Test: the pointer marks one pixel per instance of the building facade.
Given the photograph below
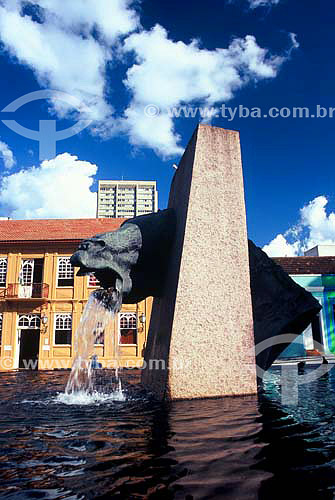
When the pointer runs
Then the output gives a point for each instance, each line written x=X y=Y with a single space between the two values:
x=317 y=275
x=42 y=299
x=126 y=198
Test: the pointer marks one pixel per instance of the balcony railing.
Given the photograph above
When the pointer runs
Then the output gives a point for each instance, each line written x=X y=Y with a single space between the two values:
x=19 y=291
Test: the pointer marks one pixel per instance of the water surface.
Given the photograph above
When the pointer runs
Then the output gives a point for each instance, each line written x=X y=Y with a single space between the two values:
x=234 y=448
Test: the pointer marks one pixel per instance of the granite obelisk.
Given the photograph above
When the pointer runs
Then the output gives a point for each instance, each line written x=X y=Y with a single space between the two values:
x=200 y=341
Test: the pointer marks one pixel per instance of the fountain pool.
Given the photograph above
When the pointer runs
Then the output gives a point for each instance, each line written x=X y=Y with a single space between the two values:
x=134 y=447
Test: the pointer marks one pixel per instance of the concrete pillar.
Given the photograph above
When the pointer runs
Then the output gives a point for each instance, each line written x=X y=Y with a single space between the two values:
x=201 y=330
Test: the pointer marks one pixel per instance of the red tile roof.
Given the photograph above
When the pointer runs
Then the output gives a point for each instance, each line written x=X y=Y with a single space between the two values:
x=307 y=265
x=55 y=229
x=79 y=229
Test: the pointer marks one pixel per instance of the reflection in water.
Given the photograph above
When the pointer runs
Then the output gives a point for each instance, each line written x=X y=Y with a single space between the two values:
x=301 y=440
x=235 y=448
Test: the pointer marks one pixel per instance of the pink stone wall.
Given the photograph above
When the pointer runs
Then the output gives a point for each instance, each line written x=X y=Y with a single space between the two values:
x=202 y=327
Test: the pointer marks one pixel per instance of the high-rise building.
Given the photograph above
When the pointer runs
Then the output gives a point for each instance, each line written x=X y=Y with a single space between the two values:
x=126 y=198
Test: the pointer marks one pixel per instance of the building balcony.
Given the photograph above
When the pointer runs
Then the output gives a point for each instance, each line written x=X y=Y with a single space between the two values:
x=16 y=291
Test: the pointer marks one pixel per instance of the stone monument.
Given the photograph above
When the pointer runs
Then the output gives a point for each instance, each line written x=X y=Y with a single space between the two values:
x=202 y=327
x=216 y=295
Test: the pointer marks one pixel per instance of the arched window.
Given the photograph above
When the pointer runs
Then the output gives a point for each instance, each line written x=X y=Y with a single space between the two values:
x=63 y=328
x=64 y=272
x=128 y=328
x=29 y=321
x=27 y=271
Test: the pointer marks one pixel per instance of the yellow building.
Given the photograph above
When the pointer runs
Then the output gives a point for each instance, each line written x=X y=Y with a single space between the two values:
x=42 y=299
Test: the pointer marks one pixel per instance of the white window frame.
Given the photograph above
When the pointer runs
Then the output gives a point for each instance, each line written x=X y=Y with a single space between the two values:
x=33 y=323
x=65 y=317
x=131 y=315
x=3 y=264
x=26 y=277
x=59 y=259
x=33 y=320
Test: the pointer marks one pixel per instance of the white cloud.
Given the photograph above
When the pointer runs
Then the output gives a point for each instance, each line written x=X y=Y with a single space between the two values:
x=62 y=50
x=294 y=40
x=315 y=227
x=7 y=155
x=69 y=46
x=156 y=132
x=112 y=18
x=58 y=188
x=280 y=247
x=168 y=73
x=262 y=3
x=320 y=224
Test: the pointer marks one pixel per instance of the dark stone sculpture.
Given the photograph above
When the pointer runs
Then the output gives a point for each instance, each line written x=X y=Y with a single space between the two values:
x=279 y=304
x=134 y=260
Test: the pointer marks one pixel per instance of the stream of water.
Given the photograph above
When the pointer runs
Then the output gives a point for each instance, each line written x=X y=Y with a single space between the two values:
x=82 y=385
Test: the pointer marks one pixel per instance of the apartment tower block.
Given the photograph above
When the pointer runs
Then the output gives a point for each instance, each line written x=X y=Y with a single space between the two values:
x=126 y=198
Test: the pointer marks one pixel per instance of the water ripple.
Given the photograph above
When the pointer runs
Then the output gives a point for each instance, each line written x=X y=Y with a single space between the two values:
x=134 y=447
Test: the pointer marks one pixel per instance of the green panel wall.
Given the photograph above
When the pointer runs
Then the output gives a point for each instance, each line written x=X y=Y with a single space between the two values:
x=327 y=300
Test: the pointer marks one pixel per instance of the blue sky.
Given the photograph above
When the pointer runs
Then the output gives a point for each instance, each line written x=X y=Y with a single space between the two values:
x=121 y=56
